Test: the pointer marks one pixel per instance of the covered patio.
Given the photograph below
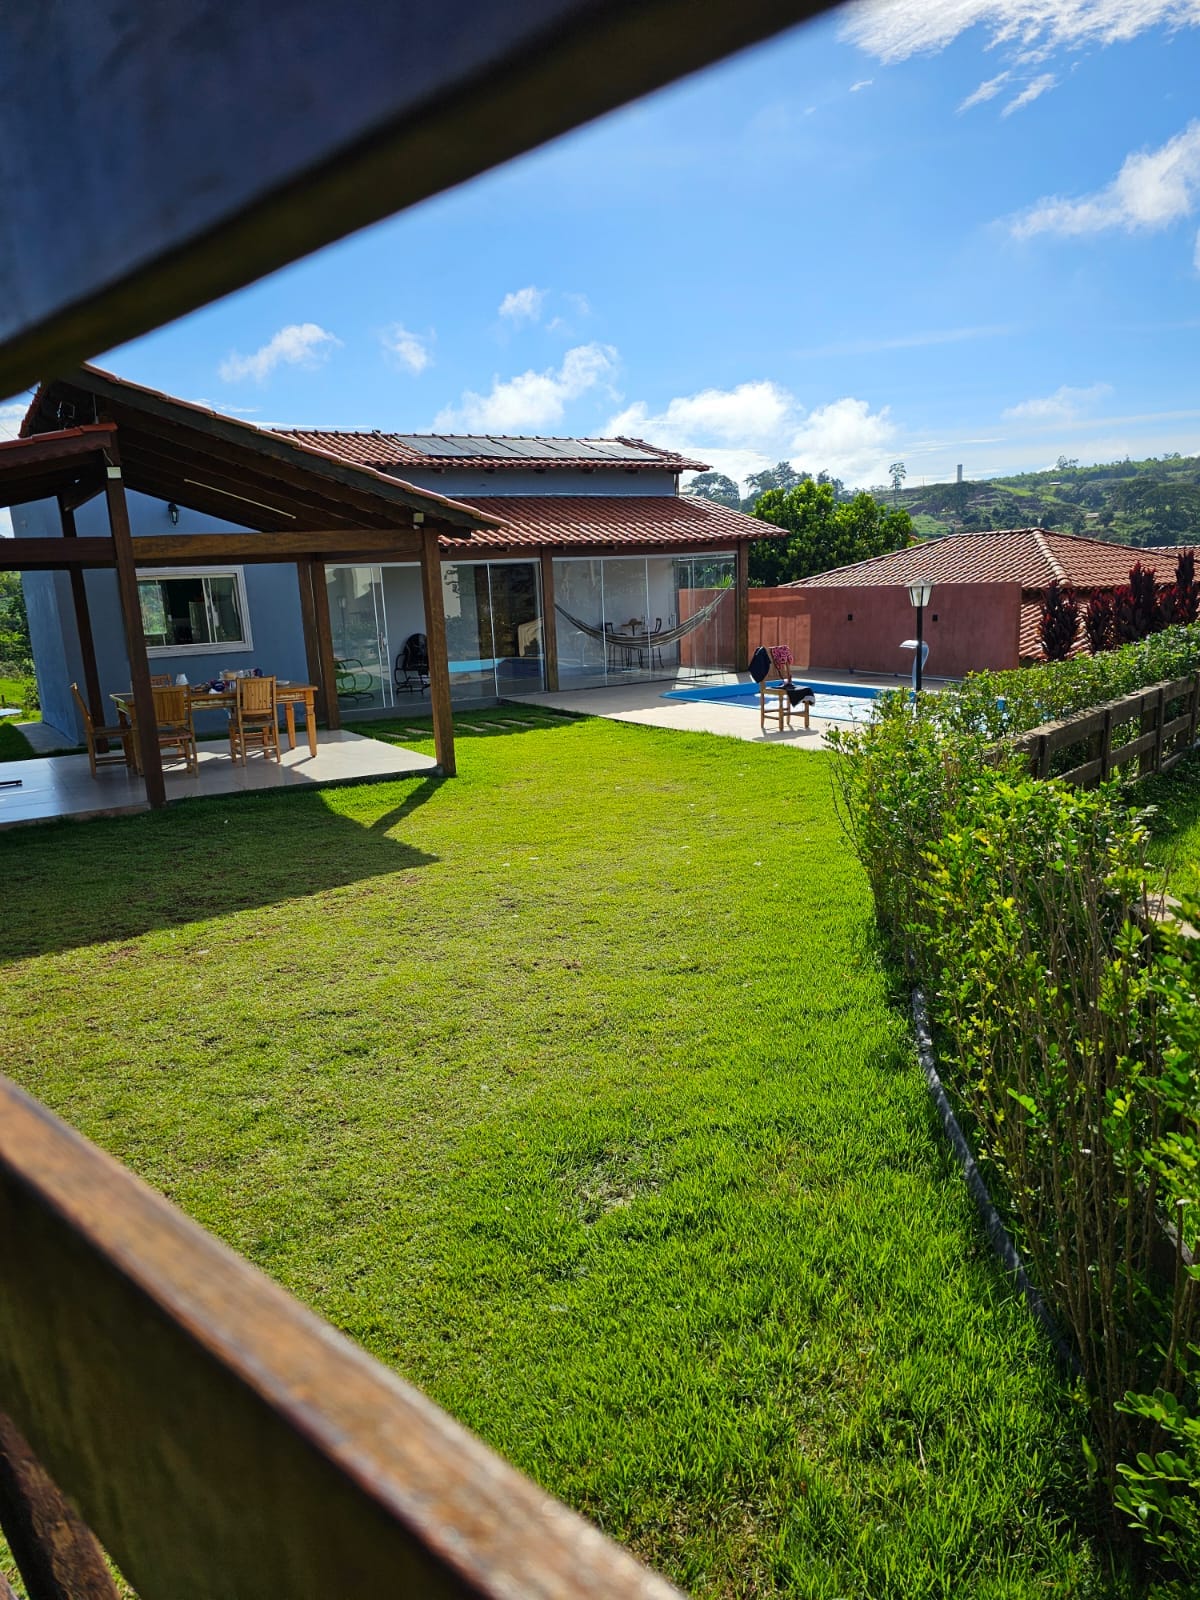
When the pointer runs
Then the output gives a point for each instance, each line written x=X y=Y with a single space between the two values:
x=88 y=436
x=62 y=787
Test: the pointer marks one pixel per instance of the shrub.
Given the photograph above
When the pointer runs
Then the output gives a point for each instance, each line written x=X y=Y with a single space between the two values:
x=1002 y=703
x=1136 y=607
x=1060 y=621
x=1100 y=623
x=1071 y=1036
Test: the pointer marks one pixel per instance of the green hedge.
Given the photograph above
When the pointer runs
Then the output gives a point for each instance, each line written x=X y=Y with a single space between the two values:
x=998 y=703
x=1060 y=1017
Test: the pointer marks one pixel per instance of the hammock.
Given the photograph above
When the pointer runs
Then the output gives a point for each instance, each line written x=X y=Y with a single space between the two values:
x=645 y=641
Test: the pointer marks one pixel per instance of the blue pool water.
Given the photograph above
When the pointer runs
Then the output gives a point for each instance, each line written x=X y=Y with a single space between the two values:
x=835 y=702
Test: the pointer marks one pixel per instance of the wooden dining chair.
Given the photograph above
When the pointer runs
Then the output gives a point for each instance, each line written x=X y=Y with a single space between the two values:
x=160 y=680
x=173 y=720
x=95 y=733
x=254 y=718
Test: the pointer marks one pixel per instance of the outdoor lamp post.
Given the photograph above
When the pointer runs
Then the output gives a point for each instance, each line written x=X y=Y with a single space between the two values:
x=919 y=594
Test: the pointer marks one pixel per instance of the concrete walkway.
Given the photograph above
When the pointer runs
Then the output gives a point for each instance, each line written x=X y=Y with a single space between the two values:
x=644 y=703
x=46 y=739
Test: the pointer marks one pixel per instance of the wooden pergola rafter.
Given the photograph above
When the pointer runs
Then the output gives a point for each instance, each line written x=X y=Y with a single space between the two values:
x=90 y=434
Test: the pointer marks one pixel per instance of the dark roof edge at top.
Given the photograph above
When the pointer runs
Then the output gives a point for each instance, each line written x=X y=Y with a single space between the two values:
x=265 y=441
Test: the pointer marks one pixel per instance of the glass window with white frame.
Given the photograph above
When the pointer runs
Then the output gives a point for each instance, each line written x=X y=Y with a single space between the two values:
x=194 y=609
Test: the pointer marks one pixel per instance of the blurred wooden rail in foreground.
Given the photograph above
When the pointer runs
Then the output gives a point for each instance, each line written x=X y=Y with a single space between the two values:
x=223 y=1442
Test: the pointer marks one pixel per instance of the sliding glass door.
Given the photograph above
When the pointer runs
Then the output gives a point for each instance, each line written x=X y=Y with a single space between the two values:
x=360 y=638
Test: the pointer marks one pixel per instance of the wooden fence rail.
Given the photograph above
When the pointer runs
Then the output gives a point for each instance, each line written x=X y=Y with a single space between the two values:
x=223 y=1442
x=1166 y=719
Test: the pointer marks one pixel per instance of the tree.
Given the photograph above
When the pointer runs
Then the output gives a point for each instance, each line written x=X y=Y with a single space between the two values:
x=897 y=472
x=1180 y=601
x=782 y=476
x=715 y=486
x=15 y=649
x=1060 y=621
x=1066 y=463
x=821 y=532
x=1100 y=622
x=1137 y=607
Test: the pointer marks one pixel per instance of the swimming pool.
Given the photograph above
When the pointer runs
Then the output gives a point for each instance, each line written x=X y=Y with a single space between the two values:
x=835 y=702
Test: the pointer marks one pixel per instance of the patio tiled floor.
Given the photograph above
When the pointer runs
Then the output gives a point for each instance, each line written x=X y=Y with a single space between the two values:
x=62 y=786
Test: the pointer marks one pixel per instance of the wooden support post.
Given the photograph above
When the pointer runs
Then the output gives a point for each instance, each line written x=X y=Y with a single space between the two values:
x=1195 y=711
x=55 y=1551
x=83 y=626
x=327 y=669
x=1160 y=725
x=549 y=623
x=439 y=662
x=741 y=641
x=135 y=638
x=308 y=623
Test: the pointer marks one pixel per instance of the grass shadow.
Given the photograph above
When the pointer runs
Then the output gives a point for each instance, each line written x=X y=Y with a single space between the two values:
x=69 y=884
x=488 y=723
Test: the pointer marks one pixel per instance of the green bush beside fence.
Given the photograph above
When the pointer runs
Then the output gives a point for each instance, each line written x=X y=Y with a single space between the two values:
x=1070 y=1035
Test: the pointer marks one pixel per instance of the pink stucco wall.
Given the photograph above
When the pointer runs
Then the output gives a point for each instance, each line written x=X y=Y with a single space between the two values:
x=970 y=627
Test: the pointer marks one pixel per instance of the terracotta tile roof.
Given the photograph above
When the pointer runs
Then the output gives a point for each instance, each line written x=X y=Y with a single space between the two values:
x=1028 y=556
x=236 y=429
x=601 y=519
x=488 y=452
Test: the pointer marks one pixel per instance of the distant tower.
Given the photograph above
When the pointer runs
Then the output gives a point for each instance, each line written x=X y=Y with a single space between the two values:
x=960 y=472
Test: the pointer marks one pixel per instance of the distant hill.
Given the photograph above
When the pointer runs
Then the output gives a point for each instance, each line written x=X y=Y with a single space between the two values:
x=1131 y=502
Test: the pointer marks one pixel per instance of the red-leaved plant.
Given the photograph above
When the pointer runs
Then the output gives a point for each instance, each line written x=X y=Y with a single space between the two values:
x=1060 y=621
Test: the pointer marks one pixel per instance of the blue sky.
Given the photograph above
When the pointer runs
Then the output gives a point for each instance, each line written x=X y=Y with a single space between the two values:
x=931 y=233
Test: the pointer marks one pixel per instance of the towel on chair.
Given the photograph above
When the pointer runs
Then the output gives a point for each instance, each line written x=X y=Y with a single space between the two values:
x=800 y=692
x=760 y=664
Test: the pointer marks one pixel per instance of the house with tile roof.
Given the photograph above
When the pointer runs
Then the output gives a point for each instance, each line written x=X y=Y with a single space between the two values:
x=564 y=562
x=984 y=610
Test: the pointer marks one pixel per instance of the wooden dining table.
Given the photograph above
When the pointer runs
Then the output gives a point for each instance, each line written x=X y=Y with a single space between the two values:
x=288 y=695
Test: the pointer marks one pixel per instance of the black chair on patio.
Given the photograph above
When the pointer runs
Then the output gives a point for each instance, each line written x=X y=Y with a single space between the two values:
x=411 y=671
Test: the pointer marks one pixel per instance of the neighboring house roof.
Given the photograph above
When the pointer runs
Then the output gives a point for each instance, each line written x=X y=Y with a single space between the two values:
x=612 y=519
x=162 y=439
x=438 y=452
x=1032 y=557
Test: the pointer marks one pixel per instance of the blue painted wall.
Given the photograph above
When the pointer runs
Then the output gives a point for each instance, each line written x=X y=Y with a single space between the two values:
x=272 y=599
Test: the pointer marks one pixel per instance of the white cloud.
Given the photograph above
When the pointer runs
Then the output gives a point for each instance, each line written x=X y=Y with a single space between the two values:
x=531 y=399
x=893 y=30
x=846 y=438
x=1152 y=189
x=863 y=83
x=988 y=90
x=410 y=350
x=11 y=416
x=743 y=430
x=523 y=305
x=579 y=304
x=739 y=417
x=1064 y=405
x=1196 y=254
x=300 y=344
x=1031 y=92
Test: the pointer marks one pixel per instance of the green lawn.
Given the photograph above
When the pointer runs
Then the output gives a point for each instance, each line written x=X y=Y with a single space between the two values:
x=14 y=746
x=573 y=1089
x=1175 y=824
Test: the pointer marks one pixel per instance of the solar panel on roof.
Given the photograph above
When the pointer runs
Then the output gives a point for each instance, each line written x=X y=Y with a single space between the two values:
x=509 y=449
